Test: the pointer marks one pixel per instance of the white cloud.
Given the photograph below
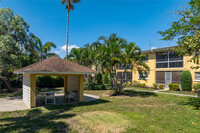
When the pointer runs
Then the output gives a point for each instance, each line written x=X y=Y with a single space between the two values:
x=56 y=52
x=153 y=47
x=69 y=48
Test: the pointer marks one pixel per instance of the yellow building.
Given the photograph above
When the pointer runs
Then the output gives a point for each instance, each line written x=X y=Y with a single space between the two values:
x=165 y=68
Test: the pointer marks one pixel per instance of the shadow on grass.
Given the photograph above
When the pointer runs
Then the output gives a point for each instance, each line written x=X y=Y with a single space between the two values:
x=133 y=93
x=192 y=101
x=37 y=120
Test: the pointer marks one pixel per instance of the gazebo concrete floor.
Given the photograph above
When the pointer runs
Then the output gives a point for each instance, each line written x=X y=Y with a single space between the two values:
x=16 y=103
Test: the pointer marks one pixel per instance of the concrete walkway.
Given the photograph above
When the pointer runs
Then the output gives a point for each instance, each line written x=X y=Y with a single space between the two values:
x=160 y=91
x=16 y=103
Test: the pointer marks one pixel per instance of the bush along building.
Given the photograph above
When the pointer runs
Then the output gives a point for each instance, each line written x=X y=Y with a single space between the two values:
x=166 y=67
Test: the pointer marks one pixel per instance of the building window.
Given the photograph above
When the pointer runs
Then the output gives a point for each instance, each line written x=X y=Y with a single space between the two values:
x=168 y=60
x=143 y=75
x=146 y=59
x=127 y=76
x=122 y=67
x=197 y=76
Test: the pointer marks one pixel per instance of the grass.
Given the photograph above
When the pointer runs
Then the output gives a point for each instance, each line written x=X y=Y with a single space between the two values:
x=11 y=94
x=132 y=111
x=55 y=89
x=181 y=92
x=140 y=88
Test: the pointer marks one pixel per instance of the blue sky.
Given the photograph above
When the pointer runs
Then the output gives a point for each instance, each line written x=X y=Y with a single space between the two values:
x=134 y=20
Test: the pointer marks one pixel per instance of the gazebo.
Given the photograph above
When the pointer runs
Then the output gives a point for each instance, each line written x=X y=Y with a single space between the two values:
x=54 y=66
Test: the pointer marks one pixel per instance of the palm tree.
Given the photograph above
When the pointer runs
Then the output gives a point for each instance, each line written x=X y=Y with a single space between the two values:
x=132 y=56
x=109 y=55
x=69 y=7
x=43 y=51
x=76 y=55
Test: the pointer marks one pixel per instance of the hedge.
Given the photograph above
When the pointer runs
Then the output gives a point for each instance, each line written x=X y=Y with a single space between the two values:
x=94 y=87
x=186 y=81
x=49 y=81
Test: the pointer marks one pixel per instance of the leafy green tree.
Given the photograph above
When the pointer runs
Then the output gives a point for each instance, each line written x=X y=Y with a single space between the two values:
x=69 y=7
x=15 y=42
x=187 y=31
x=99 y=79
x=105 y=78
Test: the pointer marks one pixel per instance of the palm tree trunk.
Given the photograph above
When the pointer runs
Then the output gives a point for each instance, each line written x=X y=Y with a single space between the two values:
x=67 y=34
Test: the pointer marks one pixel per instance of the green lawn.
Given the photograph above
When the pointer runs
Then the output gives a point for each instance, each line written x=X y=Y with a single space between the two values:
x=181 y=92
x=12 y=94
x=139 y=88
x=133 y=111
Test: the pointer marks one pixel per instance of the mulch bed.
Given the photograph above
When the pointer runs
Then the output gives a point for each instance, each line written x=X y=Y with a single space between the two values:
x=14 y=90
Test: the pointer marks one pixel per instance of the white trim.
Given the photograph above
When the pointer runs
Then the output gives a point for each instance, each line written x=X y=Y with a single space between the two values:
x=35 y=72
x=196 y=80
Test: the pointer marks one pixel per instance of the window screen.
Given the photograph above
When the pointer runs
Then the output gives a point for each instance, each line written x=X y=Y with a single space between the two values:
x=161 y=65
x=129 y=76
x=146 y=59
x=176 y=64
x=119 y=76
x=161 y=56
x=143 y=75
x=176 y=77
x=174 y=56
x=197 y=76
x=160 y=77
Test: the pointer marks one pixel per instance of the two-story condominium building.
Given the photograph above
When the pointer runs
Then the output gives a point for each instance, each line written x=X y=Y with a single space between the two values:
x=165 y=68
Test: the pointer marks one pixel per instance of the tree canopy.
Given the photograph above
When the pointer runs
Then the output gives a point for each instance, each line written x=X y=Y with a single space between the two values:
x=186 y=30
x=107 y=53
x=17 y=44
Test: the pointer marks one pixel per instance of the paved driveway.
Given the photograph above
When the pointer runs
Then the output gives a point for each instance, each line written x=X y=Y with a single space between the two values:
x=12 y=104
x=16 y=103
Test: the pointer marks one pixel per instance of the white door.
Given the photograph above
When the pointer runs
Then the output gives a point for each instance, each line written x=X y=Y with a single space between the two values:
x=168 y=79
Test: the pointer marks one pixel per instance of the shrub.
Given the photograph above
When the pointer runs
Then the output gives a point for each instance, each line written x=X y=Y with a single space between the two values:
x=95 y=87
x=174 y=87
x=128 y=83
x=196 y=86
x=105 y=78
x=155 y=86
x=99 y=79
x=170 y=86
x=143 y=85
x=136 y=84
x=49 y=81
x=118 y=82
x=186 y=81
x=160 y=86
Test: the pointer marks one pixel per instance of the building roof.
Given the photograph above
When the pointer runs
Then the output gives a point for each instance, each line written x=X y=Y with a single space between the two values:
x=157 y=49
x=55 y=65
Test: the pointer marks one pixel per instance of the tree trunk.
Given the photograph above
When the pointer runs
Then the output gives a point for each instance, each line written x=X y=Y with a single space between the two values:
x=67 y=33
x=6 y=80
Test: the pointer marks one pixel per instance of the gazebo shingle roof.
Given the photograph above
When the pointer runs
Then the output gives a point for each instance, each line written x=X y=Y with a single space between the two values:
x=55 y=65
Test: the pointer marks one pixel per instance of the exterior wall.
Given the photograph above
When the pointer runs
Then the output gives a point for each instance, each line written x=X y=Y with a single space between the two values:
x=29 y=90
x=152 y=74
x=74 y=82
